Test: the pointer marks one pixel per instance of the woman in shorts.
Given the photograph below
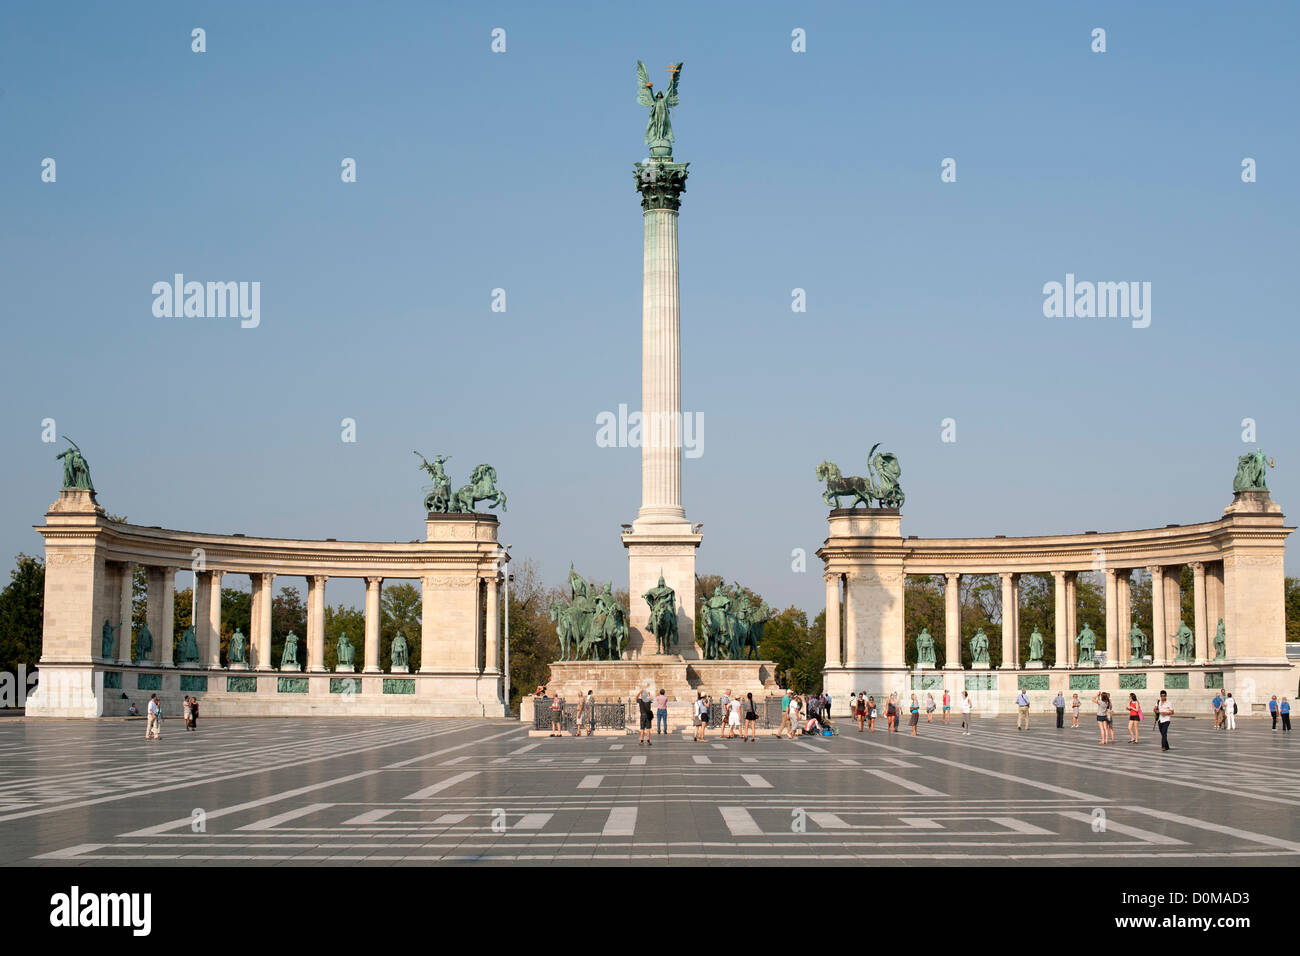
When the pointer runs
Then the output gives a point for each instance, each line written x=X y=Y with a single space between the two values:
x=891 y=714
x=1102 y=700
x=929 y=708
x=861 y=710
x=871 y=714
x=1134 y=718
x=751 y=719
x=1074 y=710
x=733 y=717
x=915 y=710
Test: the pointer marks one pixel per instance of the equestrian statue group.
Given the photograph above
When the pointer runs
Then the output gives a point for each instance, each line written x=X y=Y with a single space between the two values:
x=481 y=487
x=880 y=483
x=592 y=626
x=732 y=624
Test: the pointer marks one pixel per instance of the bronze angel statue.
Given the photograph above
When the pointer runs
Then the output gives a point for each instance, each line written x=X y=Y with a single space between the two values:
x=659 y=128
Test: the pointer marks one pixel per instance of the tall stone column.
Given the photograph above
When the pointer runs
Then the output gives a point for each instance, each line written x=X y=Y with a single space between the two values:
x=1008 y=621
x=952 y=621
x=214 y=618
x=125 y=585
x=1159 y=633
x=492 y=627
x=374 y=587
x=1060 y=621
x=1112 y=614
x=1200 y=624
x=833 y=658
x=262 y=621
x=316 y=622
x=1072 y=615
x=661 y=540
x=167 y=626
x=1124 y=596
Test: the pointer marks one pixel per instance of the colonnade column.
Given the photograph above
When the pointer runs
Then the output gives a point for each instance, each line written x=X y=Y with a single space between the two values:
x=1124 y=596
x=1200 y=624
x=833 y=658
x=492 y=631
x=373 y=589
x=126 y=582
x=316 y=622
x=1158 y=635
x=1112 y=614
x=952 y=621
x=1072 y=615
x=1008 y=621
x=1060 y=622
x=261 y=623
x=167 y=626
x=214 y=618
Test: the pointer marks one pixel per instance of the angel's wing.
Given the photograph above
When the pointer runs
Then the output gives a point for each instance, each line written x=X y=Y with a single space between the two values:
x=670 y=97
x=643 y=94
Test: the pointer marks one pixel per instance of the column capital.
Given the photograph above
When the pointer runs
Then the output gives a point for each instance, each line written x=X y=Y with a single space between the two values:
x=953 y=577
x=1006 y=576
x=1059 y=575
x=832 y=576
x=318 y=579
x=373 y=582
x=661 y=184
x=265 y=577
x=215 y=573
x=1154 y=569
x=1198 y=567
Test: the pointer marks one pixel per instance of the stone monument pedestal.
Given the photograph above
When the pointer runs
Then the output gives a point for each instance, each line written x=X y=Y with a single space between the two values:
x=345 y=669
x=679 y=679
x=1034 y=666
x=404 y=669
x=295 y=668
x=238 y=666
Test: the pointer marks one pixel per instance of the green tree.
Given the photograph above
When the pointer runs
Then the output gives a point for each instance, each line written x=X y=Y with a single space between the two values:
x=340 y=620
x=923 y=607
x=22 y=605
x=401 y=610
x=798 y=651
x=288 y=613
x=533 y=641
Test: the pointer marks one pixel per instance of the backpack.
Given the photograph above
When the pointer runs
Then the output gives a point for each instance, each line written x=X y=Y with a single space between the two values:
x=1234 y=706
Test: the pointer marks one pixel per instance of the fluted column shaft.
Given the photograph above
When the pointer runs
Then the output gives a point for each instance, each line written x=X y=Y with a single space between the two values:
x=1060 y=621
x=316 y=622
x=952 y=620
x=661 y=380
x=833 y=658
x=1072 y=615
x=213 y=628
x=1124 y=597
x=374 y=587
x=1112 y=614
x=1008 y=622
x=1159 y=635
x=492 y=631
x=262 y=620
x=1201 y=624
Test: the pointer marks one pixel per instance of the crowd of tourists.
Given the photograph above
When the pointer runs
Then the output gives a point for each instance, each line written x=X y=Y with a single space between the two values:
x=810 y=714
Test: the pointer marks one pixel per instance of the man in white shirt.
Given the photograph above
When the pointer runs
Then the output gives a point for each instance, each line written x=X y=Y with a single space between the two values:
x=1164 y=712
x=794 y=716
x=966 y=707
x=153 y=728
x=1229 y=712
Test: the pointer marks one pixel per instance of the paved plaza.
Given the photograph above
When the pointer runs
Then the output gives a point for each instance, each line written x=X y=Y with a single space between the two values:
x=301 y=791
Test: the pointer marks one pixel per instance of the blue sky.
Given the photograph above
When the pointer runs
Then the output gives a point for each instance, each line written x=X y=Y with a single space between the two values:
x=816 y=170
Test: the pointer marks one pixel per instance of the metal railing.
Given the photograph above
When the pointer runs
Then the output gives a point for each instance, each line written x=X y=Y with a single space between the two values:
x=608 y=714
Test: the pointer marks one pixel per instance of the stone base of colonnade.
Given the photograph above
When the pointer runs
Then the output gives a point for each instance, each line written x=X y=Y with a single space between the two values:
x=1190 y=688
x=94 y=689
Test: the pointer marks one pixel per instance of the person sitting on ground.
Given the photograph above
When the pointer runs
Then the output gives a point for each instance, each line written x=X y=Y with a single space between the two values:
x=133 y=710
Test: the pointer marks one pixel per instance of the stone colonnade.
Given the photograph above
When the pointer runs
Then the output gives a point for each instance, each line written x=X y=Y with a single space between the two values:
x=90 y=564
x=1237 y=577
